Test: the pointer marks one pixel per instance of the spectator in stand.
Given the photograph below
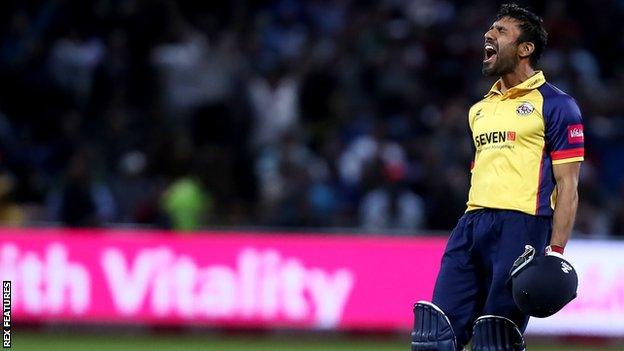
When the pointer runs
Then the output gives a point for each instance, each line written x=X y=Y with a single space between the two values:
x=390 y=204
x=10 y=213
x=82 y=200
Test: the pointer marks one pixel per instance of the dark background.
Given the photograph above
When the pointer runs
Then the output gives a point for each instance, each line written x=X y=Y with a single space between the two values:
x=307 y=114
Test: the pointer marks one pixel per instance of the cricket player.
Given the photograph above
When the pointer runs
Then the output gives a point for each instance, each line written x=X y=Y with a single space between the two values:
x=528 y=137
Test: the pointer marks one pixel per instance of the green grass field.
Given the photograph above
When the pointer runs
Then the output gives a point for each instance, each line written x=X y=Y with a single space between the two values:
x=50 y=341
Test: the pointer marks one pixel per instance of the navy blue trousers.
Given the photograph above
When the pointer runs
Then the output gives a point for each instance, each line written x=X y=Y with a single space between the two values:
x=476 y=264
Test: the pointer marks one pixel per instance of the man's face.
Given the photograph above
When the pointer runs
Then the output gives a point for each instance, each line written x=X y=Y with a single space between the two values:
x=501 y=48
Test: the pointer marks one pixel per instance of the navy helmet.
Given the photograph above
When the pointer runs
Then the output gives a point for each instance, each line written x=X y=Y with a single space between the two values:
x=542 y=285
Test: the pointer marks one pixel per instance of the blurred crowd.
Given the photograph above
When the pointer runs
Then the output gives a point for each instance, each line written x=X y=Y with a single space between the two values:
x=310 y=113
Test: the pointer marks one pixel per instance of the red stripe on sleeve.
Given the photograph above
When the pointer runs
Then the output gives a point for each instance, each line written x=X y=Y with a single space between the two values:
x=570 y=153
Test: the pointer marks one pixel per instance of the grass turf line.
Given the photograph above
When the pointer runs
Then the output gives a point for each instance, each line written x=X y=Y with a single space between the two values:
x=32 y=341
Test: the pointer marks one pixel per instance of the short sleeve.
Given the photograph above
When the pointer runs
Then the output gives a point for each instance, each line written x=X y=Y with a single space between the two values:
x=565 y=140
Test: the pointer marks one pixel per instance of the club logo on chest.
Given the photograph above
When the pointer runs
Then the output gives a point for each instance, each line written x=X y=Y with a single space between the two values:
x=525 y=109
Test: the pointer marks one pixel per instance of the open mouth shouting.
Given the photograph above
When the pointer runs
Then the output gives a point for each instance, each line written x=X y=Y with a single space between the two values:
x=490 y=53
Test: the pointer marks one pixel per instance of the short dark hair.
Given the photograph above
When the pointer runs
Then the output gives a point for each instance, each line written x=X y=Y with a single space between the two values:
x=531 y=25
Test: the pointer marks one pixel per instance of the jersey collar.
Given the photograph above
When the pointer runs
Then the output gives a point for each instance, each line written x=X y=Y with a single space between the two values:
x=534 y=82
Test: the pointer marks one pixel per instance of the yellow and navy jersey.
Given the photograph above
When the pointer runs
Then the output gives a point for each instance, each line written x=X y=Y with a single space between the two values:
x=518 y=137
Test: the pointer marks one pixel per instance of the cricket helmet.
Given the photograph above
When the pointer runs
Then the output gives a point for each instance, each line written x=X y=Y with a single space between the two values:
x=542 y=285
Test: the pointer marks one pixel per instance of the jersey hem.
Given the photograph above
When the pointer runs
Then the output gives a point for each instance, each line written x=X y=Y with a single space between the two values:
x=531 y=212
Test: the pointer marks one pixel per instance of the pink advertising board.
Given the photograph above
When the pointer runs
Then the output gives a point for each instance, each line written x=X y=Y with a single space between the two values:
x=599 y=307
x=217 y=278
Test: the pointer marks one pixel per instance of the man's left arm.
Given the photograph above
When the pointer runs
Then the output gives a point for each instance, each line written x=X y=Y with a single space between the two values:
x=566 y=143
x=566 y=177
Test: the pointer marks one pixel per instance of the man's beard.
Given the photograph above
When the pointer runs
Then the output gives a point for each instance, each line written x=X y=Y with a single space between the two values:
x=501 y=67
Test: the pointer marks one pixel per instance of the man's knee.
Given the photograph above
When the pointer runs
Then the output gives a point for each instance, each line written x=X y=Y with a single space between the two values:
x=496 y=333
x=432 y=329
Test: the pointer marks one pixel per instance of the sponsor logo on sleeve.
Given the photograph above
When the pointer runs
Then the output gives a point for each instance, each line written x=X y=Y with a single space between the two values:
x=575 y=134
